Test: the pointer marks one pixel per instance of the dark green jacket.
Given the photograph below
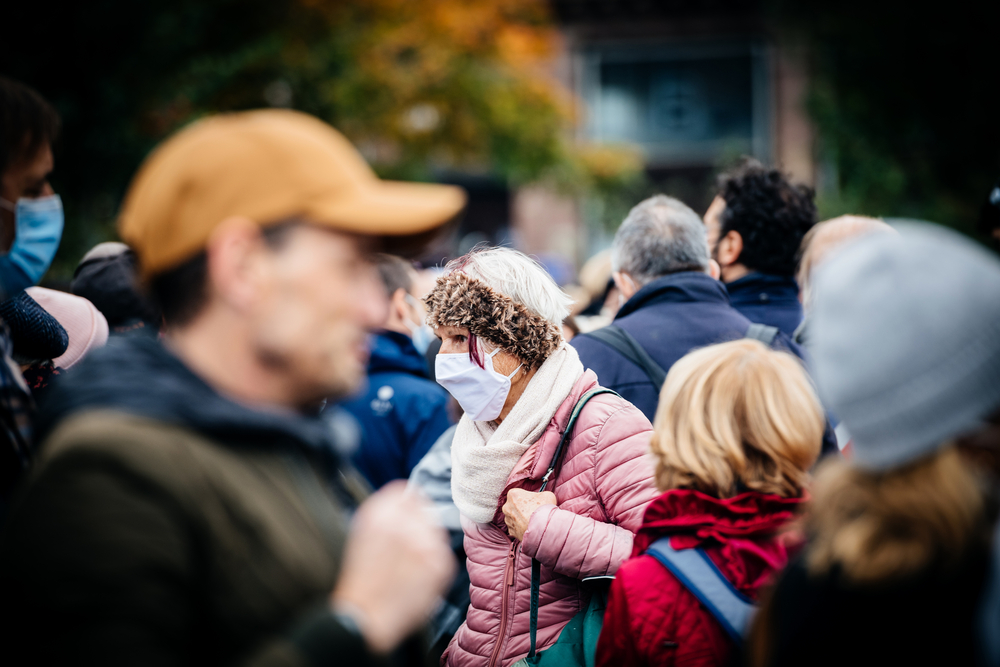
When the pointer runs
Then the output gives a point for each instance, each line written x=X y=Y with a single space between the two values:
x=166 y=525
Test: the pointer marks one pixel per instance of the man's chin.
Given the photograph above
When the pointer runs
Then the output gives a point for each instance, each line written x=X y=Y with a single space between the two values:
x=345 y=383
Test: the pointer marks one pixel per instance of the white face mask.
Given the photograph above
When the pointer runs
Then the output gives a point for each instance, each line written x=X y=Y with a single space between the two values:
x=480 y=391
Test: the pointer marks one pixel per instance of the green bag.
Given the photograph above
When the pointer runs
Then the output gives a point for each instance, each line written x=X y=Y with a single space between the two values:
x=577 y=643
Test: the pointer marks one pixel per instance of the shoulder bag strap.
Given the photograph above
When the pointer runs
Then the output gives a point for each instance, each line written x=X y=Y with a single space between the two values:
x=626 y=345
x=697 y=573
x=536 y=567
x=762 y=332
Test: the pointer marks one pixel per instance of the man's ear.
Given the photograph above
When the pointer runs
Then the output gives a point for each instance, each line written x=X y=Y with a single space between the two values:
x=625 y=283
x=714 y=269
x=729 y=249
x=234 y=267
x=399 y=310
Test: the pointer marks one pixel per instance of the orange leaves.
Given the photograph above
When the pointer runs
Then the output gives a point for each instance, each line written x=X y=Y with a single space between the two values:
x=448 y=83
x=605 y=162
x=422 y=85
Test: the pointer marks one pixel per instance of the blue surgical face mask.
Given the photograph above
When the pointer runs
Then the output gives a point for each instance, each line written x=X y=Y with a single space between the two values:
x=38 y=228
x=423 y=336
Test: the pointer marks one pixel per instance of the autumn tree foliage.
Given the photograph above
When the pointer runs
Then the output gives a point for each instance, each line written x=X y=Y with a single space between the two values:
x=448 y=83
x=421 y=86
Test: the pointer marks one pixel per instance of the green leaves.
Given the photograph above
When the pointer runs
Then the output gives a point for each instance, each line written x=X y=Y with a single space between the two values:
x=420 y=86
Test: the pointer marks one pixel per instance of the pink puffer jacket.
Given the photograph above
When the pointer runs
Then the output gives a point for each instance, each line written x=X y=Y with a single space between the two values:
x=602 y=487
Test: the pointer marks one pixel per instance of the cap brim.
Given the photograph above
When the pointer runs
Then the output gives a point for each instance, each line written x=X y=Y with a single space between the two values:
x=389 y=208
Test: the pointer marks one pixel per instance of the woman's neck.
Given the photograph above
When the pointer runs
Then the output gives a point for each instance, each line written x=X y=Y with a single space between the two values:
x=517 y=386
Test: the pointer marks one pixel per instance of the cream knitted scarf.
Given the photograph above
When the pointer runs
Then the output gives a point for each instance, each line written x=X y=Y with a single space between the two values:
x=483 y=454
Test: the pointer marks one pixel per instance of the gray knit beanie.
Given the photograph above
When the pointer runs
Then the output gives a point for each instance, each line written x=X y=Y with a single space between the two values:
x=907 y=341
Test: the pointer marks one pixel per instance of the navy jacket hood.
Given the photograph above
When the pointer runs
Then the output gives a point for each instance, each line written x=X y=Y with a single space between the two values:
x=669 y=317
x=684 y=287
x=393 y=352
x=401 y=411
x=768 y=299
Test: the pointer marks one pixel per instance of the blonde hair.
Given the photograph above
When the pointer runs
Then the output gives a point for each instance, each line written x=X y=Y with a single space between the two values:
x=734 y=413
x=820 y=241
x=879 y=526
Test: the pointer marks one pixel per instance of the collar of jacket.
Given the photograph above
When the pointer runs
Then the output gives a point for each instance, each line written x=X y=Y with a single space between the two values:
x=763 y=288
x=393 y=352
x=139 y=376
x=693 y=517
x=528 y=471
x=683 y=287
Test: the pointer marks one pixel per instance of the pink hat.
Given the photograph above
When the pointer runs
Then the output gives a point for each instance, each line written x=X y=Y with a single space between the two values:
x=86 y=326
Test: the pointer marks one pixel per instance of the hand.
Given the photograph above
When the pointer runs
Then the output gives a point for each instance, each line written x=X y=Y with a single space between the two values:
x=397 y=564
x=520 y=506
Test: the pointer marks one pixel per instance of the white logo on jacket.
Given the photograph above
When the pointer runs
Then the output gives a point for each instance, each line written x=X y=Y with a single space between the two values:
x=382 y=405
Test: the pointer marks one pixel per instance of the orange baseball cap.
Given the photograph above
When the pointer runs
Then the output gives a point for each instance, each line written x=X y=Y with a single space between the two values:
x=268 y=166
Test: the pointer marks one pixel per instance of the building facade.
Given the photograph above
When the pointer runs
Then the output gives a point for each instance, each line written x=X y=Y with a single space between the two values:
x=692 y=85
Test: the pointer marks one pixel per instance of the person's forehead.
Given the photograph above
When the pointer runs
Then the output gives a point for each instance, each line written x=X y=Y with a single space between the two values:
x=311 y=234
x=446 y=331
x=44 y=159
x=35 y=167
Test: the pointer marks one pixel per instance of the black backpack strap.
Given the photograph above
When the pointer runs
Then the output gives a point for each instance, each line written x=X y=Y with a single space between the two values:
x=762 y=332
x=577 y=409
x=536 y=584
x=702 y=578
x=536 y=567
x=626 y=345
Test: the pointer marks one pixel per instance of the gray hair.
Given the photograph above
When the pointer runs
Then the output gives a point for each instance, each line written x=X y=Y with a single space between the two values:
x=660 y=235
x=517 y=276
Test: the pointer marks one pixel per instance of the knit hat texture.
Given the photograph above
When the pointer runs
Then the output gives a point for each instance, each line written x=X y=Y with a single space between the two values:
x=34 y=333
x=459 y=300
x=907 y=341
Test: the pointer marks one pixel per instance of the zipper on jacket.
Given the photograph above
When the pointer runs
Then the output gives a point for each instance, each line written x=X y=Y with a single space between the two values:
x=508 y=582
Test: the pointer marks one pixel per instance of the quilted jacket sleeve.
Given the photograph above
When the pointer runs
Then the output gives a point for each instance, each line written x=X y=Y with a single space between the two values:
x=622 y=478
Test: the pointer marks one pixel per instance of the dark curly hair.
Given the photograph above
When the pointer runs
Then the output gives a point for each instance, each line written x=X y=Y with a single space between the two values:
x=770 y=213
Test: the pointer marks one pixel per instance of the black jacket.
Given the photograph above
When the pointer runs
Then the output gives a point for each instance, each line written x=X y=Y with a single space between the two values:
x=164 y=524
x=823 y=620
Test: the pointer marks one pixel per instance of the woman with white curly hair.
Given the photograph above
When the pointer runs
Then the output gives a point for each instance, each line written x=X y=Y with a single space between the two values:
x=503 y=358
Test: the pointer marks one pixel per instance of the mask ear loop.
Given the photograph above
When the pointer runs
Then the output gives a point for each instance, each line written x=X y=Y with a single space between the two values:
x=493 y=354
x=413 y=301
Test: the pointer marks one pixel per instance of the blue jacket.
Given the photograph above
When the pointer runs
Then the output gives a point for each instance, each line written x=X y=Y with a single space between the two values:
x=401 y=412
x=669 y=317
x=768 y=299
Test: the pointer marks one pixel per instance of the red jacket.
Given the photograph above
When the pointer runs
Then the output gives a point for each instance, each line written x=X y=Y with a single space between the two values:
x=651 y=618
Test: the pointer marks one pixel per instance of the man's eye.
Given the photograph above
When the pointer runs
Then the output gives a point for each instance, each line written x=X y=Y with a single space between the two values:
x=459 y=339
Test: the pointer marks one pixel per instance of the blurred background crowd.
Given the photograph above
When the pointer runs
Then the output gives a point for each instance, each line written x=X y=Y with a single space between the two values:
x=595 y=333
x=555 y=116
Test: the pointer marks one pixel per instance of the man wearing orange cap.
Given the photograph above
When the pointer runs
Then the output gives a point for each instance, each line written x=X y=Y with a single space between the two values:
x=185 y=508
